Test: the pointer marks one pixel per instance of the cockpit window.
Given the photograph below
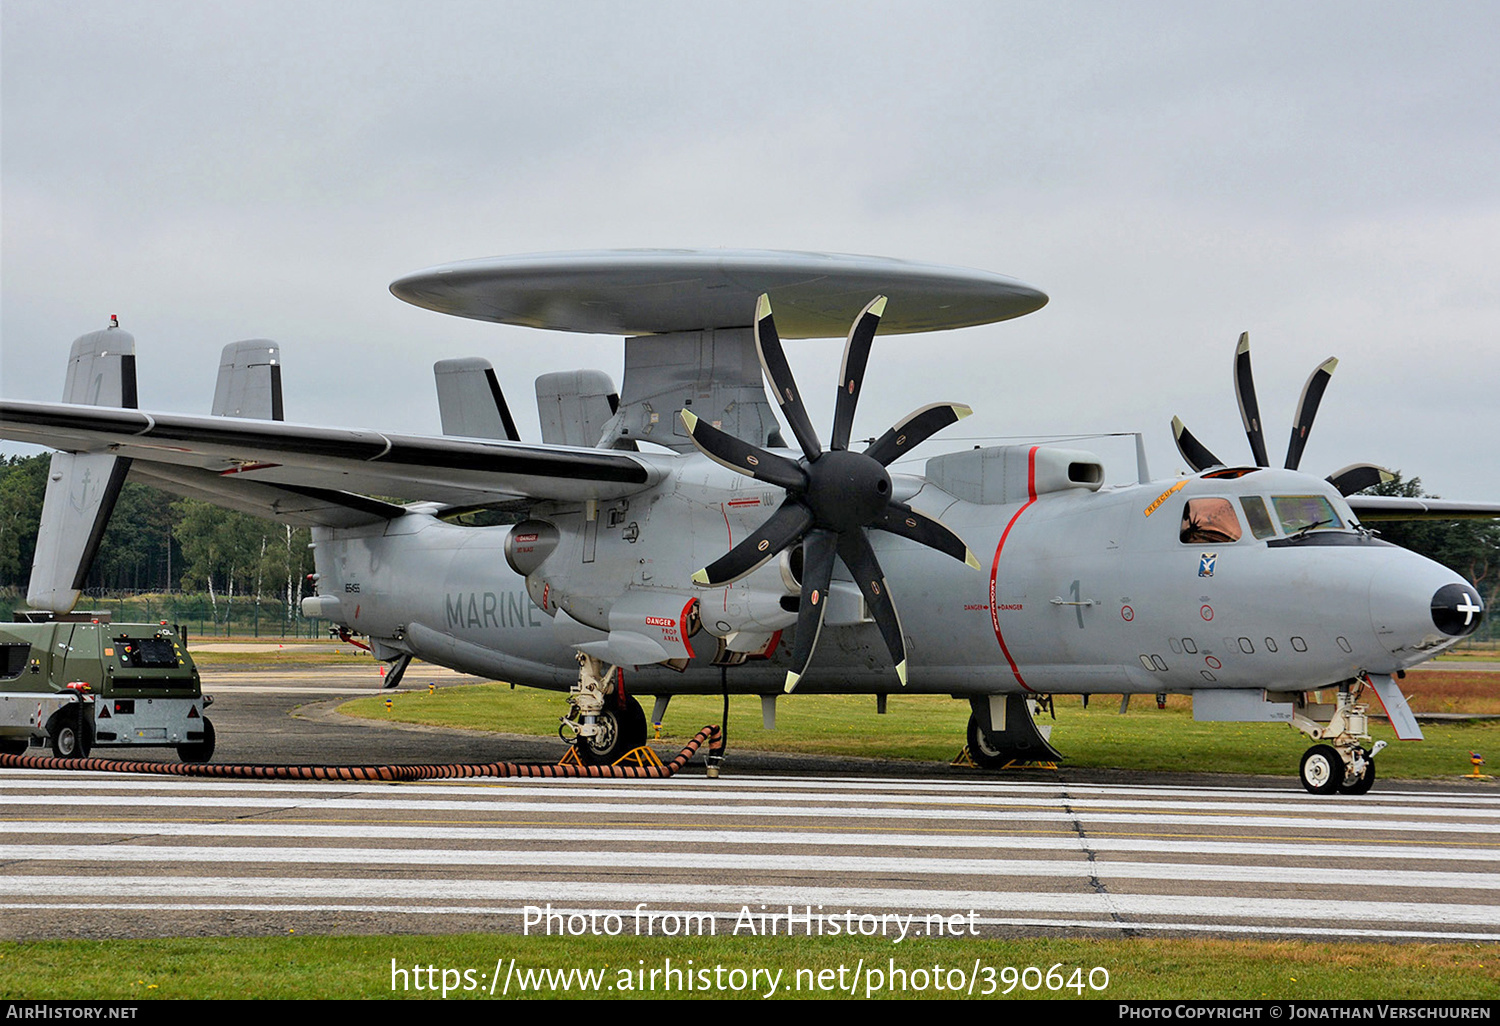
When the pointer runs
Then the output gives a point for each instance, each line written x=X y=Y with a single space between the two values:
x=1305 y=513
x=1258 y=516
x=1209 y=521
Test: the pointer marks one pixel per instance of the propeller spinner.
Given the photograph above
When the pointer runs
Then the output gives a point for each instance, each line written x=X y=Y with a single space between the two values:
x=1351 y=479
x=834 y=496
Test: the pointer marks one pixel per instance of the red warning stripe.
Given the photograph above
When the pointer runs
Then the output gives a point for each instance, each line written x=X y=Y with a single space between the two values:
x=682 y=626
x=995 y=566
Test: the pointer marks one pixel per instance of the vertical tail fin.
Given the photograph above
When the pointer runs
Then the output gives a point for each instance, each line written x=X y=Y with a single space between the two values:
x=470 y=401
x=82 y=487
x=575 y=407
x=249 y=383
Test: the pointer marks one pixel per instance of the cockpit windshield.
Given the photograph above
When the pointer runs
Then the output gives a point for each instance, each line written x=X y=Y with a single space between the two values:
x=1306 y=513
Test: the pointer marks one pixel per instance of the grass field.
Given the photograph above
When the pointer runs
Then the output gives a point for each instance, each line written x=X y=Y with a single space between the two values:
x=302 y=967
x=931 y=728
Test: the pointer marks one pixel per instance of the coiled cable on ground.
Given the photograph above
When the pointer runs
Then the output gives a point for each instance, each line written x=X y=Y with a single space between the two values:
x=710 y=734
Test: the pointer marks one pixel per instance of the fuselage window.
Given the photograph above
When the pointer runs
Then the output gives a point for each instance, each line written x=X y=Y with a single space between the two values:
x=1209 y=522
x=1258 y=516
x=1305 y=512
x=1270 y=644
x=1299 y=644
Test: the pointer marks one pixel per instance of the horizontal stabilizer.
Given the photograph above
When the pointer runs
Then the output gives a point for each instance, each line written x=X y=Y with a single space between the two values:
x=470 y=401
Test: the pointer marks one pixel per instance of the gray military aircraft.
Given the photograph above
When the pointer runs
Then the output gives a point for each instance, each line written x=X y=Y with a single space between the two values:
x=667 y=536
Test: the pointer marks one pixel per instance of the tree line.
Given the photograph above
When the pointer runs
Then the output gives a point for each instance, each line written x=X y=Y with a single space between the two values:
x=157 y=543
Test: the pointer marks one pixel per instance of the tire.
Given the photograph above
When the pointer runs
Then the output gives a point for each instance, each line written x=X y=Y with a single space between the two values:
x=620 y=731
x=199 y=751
x=1322 y=769
x=985 y=755
x=71 y=738
x=1364 y=783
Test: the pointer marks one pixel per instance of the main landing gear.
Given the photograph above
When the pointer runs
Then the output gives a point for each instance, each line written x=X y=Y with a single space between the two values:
x=604 y=722
x=1000 y=734
x=1341 y=764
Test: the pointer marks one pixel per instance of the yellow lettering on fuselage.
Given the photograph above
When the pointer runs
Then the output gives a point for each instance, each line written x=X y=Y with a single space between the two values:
x=1163 y=497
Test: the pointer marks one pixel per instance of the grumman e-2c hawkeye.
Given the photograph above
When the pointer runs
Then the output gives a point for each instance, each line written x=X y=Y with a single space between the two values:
x=669 y=531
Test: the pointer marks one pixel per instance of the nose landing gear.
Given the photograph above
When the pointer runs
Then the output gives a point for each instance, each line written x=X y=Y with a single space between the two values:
x=1341 y=764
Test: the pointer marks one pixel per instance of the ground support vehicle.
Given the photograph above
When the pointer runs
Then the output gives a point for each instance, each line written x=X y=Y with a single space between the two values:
x=80 y=686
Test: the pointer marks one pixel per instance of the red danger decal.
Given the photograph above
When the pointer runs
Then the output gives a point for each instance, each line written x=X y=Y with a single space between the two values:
x=1127 y=614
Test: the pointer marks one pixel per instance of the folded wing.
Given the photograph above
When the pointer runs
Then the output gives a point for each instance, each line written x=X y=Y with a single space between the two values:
x=207 y=454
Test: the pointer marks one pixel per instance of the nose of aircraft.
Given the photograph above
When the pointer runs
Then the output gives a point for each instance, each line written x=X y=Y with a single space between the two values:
x=1457 y=609
x=1419 y=607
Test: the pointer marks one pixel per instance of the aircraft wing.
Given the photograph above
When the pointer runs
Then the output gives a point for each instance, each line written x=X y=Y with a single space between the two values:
x=1395 y=507
x=324 y=466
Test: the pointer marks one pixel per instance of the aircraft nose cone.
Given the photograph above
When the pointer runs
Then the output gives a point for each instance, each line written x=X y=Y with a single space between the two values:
x=1457 y=609
x=1418 y=607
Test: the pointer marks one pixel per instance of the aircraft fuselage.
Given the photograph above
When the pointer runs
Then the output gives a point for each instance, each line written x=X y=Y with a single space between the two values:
x=1080 y=591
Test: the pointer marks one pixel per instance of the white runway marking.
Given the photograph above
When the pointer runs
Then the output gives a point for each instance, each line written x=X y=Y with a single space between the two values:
x=764 y=788
x=1229 y=861
x=1342 y=850
x=657 y=896
x=495 y=802
x=862 y=866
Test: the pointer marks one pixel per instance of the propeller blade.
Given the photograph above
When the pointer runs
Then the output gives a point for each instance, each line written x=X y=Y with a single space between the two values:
x=779 y=374
x=818 y=551
x=855 y=551
x=1359 y=476
x=918 y=426
x=901 y=519
x=852 y=373
x=781 y=529
x=739 y=455
x=1307 y=409
x=1195 y=452
x=1244 y=391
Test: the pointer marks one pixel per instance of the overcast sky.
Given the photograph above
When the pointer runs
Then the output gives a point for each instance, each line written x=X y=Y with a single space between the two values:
x=1322 y=175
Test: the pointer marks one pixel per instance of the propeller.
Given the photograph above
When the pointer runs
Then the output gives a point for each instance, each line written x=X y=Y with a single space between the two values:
x=834 y=496
x=1351 y=479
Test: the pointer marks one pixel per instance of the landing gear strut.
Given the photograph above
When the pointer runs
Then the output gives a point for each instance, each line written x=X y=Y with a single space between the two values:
x=605 y=724
x=1341 y=764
